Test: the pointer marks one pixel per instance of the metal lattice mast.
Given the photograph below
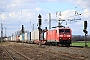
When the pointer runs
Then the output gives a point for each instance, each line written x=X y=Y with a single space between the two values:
x=49 y=21
x=1 y=32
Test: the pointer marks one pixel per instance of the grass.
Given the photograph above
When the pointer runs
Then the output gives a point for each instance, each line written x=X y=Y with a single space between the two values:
x=80 y=44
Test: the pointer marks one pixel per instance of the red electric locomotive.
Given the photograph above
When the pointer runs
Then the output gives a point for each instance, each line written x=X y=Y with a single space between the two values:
x=58 y=36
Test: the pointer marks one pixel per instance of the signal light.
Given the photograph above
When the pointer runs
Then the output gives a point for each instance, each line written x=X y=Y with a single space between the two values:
x=39 y=28
x=39 y=20
x=45 y=28
x=85 y=24
x=22 y=29
x=85 y=31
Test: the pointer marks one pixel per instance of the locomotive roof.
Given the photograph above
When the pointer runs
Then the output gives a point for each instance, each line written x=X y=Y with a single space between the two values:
x=63 y=28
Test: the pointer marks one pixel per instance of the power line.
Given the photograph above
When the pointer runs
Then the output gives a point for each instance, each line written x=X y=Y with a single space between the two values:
x=83 y=8
x=78 y=10
x=41 y=6
x=79 y=3
x=79 y=14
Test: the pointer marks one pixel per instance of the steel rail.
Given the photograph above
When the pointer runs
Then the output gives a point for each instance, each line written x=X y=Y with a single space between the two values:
x=8 y=53
x=21 y=54
x=16 y=52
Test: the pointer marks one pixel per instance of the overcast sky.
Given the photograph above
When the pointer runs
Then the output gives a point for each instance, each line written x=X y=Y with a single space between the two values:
x=14 y=13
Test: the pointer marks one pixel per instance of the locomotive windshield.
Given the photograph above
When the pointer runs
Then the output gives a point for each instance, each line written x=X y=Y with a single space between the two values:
x=64 y=30
x=61 y=30
x=67 y=30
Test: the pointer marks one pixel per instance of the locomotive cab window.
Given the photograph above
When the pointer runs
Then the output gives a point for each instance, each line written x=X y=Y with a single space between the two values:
x=64 y=30
x=67 y=31
x=61 y=30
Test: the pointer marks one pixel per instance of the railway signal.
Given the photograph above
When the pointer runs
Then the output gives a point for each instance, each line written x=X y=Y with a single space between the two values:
x=39 y=28
x=39 y=20
x=22 y=29
x=22 y=33
x=85 y=24
x=85 y=27
x=85 y=31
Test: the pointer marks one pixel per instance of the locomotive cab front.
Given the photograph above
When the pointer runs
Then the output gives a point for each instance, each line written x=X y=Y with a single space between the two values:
x=65 y=36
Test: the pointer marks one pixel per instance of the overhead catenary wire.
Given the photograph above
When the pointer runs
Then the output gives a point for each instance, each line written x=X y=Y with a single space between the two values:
x=45 y=7
x=49 y=8
x=41 y=6
x=80 y=14
x=79 y=3
x=78 y=10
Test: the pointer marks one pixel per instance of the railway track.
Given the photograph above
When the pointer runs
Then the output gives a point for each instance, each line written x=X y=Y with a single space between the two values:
x=5 y=54
x=63 y=55
x=9 y=53
x=35 y=52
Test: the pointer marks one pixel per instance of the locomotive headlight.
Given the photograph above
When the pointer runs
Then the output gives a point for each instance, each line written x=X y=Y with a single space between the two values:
x=69 y=38
x=61 y=35
x=68 y=35
x=60 y=38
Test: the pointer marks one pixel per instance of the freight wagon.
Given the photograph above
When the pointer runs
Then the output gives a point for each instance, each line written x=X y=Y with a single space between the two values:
x=21 y=38
x=27 y=37
x=34 y=37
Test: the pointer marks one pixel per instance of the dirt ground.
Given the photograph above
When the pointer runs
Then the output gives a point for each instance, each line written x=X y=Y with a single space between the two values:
x=35 y=52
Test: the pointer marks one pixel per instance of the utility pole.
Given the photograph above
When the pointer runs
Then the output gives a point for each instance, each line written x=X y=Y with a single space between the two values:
x=5 y=32
x=49 y=20
x=30 y=26
x=33 y=27
x=1 y=32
